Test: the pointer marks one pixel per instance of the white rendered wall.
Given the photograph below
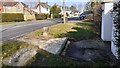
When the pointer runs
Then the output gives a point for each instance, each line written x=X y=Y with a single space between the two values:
x=107 y=24
x=43 y=10
x=108 y=27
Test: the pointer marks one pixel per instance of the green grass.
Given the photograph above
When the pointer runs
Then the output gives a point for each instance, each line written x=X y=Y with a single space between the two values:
x=10 y=47
x=3 y=23
x=78 y=31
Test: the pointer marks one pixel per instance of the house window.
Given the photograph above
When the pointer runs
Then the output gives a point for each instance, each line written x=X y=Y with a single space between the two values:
x=47 y=9
x=8 y=8
x=18 y=8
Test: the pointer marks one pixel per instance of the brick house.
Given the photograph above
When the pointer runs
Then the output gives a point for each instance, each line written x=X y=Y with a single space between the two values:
x=12 y=7
x=17 y=7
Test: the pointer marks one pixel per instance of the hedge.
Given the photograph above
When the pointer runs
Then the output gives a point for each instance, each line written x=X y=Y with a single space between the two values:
x=57 y=16
x=41 y=16
x=10 y=17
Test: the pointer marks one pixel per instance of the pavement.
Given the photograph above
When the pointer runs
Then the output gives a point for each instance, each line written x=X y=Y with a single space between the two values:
x=12 y=31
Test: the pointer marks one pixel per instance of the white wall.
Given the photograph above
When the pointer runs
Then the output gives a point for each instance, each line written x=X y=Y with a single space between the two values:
x=108 y=27
x=107 y=24
x=43 y=10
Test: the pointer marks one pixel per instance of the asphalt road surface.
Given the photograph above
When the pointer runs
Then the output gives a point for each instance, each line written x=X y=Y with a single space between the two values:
x=12 y=31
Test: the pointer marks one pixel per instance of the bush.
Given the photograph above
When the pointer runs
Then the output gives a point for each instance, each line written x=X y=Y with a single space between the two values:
x=41 y=16
x=10 y=17
x=57 y=15
x=89 y=17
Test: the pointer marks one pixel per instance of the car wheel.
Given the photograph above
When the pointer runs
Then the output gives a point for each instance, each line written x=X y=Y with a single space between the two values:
x=82 y=18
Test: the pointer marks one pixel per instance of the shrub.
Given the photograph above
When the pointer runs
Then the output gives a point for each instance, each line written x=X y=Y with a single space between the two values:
x=41 y=16
x=57 y=15
x=10 y=17
x=89 y=17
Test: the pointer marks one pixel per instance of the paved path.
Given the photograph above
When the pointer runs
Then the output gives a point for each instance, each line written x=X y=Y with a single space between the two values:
x=13 y=30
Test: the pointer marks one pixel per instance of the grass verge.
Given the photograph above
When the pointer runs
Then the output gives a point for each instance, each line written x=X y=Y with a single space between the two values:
x=10 y=47
x=78 y=31
x=4 y=23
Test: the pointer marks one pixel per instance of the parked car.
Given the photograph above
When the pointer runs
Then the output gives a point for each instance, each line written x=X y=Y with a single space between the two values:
x=84 y=14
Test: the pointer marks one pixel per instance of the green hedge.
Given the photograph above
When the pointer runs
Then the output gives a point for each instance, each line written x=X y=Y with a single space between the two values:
x=10 y=17
x=41 y=16
x=57 y=15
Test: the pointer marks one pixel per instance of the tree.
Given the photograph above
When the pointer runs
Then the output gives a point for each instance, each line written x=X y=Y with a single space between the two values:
x=55 y=9
x=67 y=14
x=89 y=6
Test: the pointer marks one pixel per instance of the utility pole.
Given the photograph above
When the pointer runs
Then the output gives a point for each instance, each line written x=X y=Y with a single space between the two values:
x=39 y=7
x=64 y=20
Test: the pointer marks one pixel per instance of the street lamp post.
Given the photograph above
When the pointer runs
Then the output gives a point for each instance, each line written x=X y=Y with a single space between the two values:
x=64 y=11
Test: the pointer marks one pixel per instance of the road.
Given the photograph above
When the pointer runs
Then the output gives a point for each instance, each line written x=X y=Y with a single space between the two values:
x=12 y=31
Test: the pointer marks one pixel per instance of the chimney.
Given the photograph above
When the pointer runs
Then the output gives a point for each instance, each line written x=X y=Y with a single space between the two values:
x=46 y=2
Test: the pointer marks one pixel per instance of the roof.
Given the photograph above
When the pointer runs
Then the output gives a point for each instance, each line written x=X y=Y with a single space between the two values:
x=9 y=3
x=24 y=4
x=45 y=5
x=13 y=4
x=66 y=8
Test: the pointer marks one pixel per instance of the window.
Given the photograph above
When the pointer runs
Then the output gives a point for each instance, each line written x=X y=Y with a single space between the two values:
x=47 y=9
x=18 y=8
x=8 y=8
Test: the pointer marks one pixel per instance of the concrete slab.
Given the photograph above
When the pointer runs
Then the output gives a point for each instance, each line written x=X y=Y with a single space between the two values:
x=89 y=50
x=53 y=46
x=21 y=57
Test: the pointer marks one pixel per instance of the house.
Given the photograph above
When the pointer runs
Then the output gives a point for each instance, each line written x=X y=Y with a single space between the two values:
x=17 y=7
x=1 y=7
x=42 y=8
x=67 y=10
x=107 y=33
x=12 y=7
